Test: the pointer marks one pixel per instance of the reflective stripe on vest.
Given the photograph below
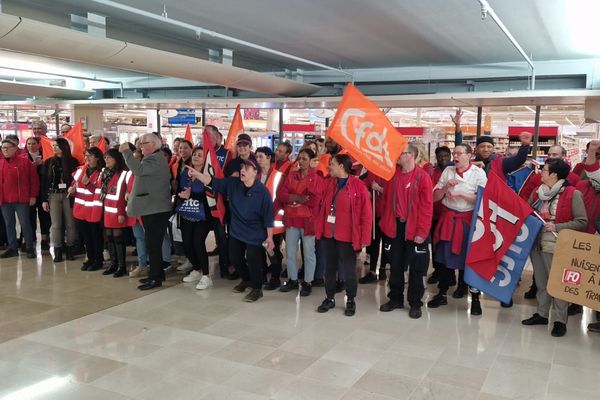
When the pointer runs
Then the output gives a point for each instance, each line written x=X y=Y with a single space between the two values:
x=119 y=184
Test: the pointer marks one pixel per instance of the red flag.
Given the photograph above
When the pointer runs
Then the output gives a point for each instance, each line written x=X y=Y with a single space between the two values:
x=213 y=168
x=499 y=219
x=364 y=131
x=75 y=135
x=102 y=144
x=188 y=135
x=237 y=127
x=46 y=144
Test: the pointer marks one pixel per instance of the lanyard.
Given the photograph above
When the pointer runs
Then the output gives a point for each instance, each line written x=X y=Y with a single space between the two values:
x=335 y=195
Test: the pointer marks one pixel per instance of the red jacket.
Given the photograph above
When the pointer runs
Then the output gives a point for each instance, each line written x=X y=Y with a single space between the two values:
x=368 y=182
x=564 y=211
x=420 y=206
x=19 y=180
x=313 y=184
x=535 y=180
x=114 y=202
x=591 y=199
x=129 y=179
x=361 y=216
x=86 y=205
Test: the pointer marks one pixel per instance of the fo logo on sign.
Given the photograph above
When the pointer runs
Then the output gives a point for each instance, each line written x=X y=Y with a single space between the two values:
x=571 y=277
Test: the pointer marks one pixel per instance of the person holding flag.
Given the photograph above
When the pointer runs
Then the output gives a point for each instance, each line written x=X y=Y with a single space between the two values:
x=561 y=206
x=457 y=189
x=251 y=224
x=243 y=147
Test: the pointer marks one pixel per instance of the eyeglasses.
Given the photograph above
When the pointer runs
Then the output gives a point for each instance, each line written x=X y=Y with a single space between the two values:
x=458 y=153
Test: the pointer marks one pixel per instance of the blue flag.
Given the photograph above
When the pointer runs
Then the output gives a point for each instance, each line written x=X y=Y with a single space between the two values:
x=505 y=281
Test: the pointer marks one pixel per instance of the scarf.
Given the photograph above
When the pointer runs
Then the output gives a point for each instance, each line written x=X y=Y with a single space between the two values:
x=107 y=175
x=546 y=195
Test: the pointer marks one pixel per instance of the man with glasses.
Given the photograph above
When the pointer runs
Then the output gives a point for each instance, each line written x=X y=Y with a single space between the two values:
x=150 y=198
x=407 y=206
x=19 y=187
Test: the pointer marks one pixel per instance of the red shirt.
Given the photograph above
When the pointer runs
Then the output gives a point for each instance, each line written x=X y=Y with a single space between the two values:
x=402 y=186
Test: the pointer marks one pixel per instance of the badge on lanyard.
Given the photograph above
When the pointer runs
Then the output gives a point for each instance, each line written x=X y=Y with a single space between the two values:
x=331 y=219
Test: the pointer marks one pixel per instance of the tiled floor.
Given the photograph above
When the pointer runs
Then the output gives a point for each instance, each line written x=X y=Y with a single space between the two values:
x=180 y=343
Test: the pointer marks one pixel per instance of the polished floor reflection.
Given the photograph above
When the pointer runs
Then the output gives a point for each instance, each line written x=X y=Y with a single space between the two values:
x=181 y=343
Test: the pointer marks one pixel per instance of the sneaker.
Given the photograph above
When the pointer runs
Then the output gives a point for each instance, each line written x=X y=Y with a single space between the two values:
x=138 y=272
x=185 y=267
x=273 y=284
x=438 y=300
x=326 y=305
x=193 y=276
x=574 y=309
x=240 y=287
x=9 y=253
x=318 y=282
x=289 y=286
x=535 y=319
x=594 y=327
x=350 y=308
x=368 y=278
x=475 y=307
x=254 y=295
x=461 y=291
x=205 y=283
x=167 y=267
x=415 y=312
x=305 y=289
x=30 y=253
x=390 y=305
x=559 y=329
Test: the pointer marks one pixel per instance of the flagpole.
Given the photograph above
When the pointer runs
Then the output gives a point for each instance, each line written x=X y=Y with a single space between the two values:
x=373 y=214
x=542 y=219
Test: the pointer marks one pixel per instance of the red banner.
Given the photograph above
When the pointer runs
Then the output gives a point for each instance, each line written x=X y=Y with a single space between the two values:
x=213 y=168
x=499 y=219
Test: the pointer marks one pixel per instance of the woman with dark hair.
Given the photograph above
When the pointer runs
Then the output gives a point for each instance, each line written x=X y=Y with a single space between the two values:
x=36 y=211
x=343 y=223
x=87 y=211
x=269 y=176
x=562 y=207
x=194 y=221
x=183 y=155
x=300 y=196
x=112 y=195
x=57 y=177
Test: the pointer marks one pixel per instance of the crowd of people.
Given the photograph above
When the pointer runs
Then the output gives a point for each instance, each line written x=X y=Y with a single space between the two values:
x=321 y=203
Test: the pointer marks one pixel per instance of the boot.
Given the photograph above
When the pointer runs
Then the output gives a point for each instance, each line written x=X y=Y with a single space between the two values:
x=70 y=256
x=120 y=249
x=58 y=254
x=113 y=259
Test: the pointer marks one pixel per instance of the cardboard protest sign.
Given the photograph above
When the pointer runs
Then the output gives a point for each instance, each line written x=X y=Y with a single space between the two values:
x=575 y=273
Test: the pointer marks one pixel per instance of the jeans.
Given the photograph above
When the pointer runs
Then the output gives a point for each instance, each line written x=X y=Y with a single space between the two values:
x=22 y=211
x=292 y=236
x=140 y=244
x=60 y=208
x=155 y=226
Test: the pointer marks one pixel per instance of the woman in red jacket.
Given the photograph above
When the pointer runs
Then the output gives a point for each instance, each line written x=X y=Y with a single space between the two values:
x=87 y=210
x=112 y=194
x=344 y=224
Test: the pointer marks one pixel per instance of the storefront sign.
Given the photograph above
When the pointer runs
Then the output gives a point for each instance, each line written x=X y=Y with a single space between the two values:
x=184 y=116
x=575 y=273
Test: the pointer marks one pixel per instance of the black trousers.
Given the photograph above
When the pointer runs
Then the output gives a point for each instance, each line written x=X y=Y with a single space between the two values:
x=276 y=260
x=36 y=212
x=374 y=249
x=248 y=260
x=340 y=257
x=92 y=234
x=445 y=277
x=407 y=255
x=155 y=226
x=193 y=234
x=3 y=239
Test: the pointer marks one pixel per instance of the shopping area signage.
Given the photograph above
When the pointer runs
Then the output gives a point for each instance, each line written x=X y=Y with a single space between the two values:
x=184 y=116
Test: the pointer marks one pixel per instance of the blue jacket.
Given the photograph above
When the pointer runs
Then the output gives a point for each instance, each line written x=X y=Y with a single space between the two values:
x=251 y=209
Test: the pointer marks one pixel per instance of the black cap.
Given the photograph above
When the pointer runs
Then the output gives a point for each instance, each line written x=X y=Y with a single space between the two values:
x=485 y=139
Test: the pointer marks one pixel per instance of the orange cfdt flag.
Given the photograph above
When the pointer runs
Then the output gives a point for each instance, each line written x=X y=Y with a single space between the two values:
x=237 y=127
x=188 y=135
x=364 y=131
x=75 y=135
x=46 y=144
